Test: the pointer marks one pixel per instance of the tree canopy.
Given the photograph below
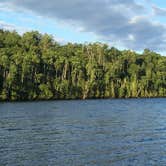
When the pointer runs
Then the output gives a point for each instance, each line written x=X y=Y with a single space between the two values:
x=34 y=66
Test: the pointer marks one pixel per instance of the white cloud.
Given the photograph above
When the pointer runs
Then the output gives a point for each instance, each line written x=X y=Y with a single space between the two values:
x=11 y=27
x=159 y=11
x=4 y=25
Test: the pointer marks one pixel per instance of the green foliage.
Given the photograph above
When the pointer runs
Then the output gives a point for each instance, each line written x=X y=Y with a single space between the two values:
x=33 y=66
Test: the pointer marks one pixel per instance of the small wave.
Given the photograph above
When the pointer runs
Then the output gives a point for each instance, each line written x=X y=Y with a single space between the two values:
x=14 y=129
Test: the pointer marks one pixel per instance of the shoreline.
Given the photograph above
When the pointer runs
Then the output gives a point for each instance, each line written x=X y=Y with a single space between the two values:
x=79 y=99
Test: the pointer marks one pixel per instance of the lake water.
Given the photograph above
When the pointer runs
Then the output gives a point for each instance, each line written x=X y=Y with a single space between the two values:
x=124 y=132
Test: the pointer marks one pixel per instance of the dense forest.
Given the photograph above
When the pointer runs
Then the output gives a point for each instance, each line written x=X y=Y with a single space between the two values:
x=34 y=66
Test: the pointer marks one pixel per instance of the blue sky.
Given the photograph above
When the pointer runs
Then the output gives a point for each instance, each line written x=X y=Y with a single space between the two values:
x=126 y=24
x=26 y=21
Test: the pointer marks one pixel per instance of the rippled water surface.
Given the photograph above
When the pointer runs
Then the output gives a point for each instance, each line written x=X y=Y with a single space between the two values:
x=83 y=133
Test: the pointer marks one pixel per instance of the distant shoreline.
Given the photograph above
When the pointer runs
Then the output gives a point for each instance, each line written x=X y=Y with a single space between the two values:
x=79 y=99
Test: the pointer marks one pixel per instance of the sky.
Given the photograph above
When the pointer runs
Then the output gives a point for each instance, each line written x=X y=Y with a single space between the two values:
x=125 y=24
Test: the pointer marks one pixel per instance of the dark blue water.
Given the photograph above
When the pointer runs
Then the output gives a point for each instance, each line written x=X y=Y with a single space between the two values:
x=83 y=133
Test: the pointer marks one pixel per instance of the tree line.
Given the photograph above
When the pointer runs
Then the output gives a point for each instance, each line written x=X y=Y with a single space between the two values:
x=34 y=66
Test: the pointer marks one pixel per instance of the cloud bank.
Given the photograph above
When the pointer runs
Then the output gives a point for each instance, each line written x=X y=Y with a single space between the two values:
x=124 y=23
